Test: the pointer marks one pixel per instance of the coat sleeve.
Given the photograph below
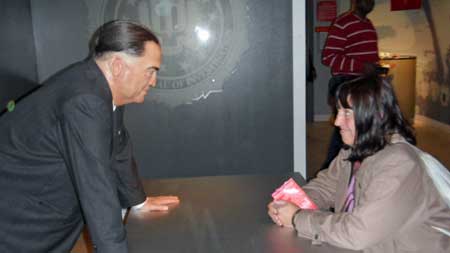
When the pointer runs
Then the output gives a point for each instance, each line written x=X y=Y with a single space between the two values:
x=130 y=189
x=322 y=189
x=87 y=135
x=391 y=197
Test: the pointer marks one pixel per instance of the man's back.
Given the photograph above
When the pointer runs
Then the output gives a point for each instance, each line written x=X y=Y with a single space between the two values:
x=352 y=41
x=38 y=200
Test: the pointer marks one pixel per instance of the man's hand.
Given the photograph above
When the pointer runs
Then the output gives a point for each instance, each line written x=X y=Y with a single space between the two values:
x=159 y=203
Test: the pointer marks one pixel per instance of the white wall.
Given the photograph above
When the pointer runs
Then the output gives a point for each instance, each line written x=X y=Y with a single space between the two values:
x=299 y=91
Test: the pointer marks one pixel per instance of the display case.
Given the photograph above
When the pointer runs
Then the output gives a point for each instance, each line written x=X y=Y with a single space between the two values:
x=402 y=73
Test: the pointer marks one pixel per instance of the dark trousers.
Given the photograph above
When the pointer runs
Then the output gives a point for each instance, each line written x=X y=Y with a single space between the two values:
x=336 y=143
x=334 y=147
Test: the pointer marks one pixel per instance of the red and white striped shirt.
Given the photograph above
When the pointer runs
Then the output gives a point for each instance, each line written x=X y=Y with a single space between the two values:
x=351 y=42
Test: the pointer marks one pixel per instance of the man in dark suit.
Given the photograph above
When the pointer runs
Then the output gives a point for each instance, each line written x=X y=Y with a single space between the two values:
x=65 y=155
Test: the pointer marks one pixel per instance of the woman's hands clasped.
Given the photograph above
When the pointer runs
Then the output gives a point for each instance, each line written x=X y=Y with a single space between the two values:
x=281 y=212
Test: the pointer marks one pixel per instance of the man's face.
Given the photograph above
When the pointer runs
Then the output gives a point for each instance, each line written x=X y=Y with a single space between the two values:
x=140 y=74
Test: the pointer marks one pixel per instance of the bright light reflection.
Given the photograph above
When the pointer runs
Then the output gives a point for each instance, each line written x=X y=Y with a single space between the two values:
x=202 y=34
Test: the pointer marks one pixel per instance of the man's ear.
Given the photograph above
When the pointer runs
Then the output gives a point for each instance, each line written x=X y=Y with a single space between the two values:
x=117 y=66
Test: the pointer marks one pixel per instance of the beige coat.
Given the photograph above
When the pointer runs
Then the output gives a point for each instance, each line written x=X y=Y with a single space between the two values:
x=395 y=209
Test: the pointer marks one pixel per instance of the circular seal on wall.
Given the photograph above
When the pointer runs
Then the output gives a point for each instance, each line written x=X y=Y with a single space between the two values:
x=202 y=41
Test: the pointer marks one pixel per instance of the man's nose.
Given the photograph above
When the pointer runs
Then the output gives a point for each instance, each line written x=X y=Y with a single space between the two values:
x=152 y=82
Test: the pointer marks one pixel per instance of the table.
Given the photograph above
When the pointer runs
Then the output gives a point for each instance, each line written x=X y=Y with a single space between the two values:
x=216 y=215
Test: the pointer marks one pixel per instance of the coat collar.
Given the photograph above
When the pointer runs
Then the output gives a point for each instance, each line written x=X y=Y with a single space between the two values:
x=94 y=73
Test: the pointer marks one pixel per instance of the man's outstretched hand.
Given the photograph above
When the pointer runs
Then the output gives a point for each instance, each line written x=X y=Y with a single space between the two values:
x=158 y=203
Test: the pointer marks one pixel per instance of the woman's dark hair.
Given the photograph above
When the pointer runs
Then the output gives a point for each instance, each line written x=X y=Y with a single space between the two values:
x=120 y=36
x=377 y=115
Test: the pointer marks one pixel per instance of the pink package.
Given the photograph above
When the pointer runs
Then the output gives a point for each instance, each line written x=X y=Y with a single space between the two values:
x=292 y=192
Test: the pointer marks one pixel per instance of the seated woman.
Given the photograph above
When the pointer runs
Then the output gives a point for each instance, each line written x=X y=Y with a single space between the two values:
x=383 y=198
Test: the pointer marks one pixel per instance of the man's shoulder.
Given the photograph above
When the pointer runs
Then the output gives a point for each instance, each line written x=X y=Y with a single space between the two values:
x=346 y=18
x=67 y=80
x=82 y=77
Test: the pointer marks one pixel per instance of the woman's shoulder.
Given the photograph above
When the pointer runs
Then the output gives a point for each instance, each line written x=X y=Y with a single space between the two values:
x=397 y=147
x=397 y=151
x=398 y=155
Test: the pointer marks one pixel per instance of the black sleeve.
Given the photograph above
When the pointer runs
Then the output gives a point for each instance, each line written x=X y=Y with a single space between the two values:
x=130 y=189
x=87 y=134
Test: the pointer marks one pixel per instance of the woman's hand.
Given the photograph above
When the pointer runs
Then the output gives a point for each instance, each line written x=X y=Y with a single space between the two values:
x=281 y=212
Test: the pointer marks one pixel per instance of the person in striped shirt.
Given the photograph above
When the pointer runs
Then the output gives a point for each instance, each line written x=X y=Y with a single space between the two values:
x=351 y=50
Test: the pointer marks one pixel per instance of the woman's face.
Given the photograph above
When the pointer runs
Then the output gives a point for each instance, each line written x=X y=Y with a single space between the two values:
x=345 y=120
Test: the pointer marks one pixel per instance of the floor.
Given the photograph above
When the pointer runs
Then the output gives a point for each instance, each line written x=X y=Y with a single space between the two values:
x=431 y=137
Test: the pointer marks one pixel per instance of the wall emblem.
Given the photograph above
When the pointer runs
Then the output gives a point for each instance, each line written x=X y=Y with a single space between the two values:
x=202 y=42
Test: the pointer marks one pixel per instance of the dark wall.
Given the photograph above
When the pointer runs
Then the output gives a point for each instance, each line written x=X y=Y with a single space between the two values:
x=61 y=34
x=17 y=58
x=221 y=106
x=247 y=128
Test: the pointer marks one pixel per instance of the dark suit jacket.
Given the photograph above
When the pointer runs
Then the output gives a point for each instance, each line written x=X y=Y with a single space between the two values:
x=65 y=158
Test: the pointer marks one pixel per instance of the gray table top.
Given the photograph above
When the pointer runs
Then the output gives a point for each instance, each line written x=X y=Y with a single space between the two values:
x=216 y=214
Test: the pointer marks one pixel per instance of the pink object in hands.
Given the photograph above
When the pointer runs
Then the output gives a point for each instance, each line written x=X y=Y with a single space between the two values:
x=292 y=192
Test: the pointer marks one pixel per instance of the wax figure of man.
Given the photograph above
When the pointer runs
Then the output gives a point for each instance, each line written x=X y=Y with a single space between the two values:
x=384 y=199
x=351 y=49
x=65 y=156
